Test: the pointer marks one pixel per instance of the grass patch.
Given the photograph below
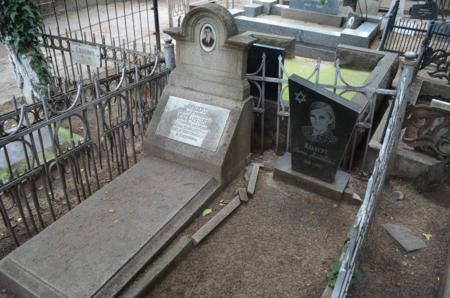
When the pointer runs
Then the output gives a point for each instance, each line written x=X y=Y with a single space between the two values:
x=303 y=67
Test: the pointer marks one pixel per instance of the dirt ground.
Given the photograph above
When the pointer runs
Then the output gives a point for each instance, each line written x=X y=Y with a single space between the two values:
x=386 y=270
x=282 y=243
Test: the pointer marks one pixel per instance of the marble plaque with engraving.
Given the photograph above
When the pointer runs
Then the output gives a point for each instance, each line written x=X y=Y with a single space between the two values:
x=193 y=123
x=321 y=126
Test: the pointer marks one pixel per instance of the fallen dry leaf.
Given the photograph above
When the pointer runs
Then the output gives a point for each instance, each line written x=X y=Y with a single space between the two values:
x=223 y=202
x=427 y=236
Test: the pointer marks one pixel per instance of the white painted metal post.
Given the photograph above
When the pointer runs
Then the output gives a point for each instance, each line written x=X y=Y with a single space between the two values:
x=169 y=53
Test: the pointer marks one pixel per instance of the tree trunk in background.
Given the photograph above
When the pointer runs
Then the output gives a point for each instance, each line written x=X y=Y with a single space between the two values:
x=26 y=77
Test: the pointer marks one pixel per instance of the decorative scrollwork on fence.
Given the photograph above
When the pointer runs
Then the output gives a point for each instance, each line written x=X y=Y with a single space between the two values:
x=440 y=60
x=428 y=131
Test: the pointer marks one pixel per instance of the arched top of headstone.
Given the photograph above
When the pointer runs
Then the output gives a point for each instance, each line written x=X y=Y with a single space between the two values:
x=211 y=55
x=212 y=26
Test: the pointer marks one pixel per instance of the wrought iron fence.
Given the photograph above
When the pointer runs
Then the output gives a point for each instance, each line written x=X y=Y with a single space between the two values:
x=134 y=24
x=435 y=51
x=123 y=30
x=403 y=35
x=359 y=230
x=57 y=151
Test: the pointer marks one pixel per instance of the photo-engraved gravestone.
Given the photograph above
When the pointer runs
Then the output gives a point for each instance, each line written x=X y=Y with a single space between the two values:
x=328 y=6
x=427 y=11
x=321 y=126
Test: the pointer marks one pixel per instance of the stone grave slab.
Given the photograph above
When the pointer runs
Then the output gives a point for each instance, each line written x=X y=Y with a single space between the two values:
x=321 y=126
x=253 y=9
x=405 y=237
x=312 y=16
x=94 y=248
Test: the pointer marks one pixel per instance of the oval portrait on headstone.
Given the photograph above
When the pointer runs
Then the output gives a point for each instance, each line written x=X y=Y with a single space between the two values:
x=207 y=37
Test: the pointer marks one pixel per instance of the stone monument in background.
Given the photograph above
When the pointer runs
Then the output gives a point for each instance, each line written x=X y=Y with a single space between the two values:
x=322 y=6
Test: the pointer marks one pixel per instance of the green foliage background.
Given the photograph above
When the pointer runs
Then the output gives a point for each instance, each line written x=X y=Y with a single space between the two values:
x=20 y=21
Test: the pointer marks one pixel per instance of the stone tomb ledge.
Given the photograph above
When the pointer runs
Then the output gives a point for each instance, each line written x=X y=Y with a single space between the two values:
x=95 y=249
x=312 y=16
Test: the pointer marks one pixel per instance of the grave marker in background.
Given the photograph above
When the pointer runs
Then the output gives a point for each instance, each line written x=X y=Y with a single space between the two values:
x=328 y=6
x=427 y=11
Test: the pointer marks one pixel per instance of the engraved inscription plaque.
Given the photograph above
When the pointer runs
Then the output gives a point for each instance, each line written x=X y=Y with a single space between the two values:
x=85 y=54
x=193 y=123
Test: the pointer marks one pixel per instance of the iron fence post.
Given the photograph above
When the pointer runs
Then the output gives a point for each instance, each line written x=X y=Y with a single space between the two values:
x=156 y=18
x=424 y=46
x=359 y=230
x=169 y=54
x=392 y=14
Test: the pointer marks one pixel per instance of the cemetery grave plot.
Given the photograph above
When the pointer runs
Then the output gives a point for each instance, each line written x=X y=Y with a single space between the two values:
x=280 y=244
x=292 y=260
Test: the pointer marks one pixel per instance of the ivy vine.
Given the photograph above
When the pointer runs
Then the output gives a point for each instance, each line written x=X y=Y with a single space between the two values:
x=20 y=21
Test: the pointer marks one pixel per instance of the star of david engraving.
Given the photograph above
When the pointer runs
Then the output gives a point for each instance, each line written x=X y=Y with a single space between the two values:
x=300 y=97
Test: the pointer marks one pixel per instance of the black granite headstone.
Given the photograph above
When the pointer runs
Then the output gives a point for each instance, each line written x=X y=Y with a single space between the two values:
x=254 y=62
x=321 y=126
x=427 y=11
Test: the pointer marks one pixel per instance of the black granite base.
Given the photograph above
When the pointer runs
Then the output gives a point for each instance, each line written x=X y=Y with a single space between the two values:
x=335 y=191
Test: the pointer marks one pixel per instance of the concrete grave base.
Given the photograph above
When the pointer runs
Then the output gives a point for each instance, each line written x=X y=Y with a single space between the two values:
x=98 y=247
x=283 y=171
x=312 y=17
